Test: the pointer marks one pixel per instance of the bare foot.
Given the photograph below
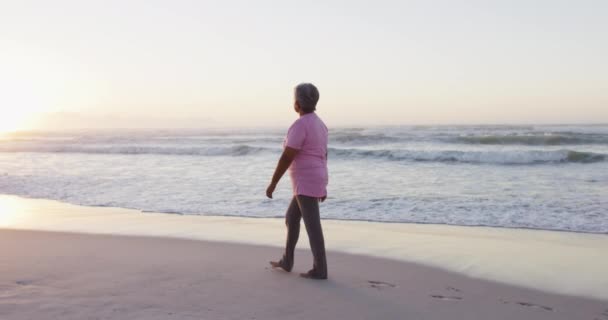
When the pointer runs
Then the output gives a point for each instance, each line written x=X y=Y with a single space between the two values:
x=278 y=264
x=313 y=275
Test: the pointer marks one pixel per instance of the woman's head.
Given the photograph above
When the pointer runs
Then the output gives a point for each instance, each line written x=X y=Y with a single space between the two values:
x=306 y=96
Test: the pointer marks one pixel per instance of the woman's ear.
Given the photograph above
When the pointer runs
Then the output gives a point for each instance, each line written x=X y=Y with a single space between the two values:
x=296 y=107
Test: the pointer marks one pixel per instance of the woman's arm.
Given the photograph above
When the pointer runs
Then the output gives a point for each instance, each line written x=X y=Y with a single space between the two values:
x=284 y=162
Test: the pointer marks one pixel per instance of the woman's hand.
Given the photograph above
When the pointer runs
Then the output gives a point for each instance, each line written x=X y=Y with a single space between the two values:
x=284 y=162
x=270 y=190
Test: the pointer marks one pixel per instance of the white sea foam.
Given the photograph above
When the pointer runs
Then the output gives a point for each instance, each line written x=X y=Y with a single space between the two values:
x=475 y=156
x=395 y=154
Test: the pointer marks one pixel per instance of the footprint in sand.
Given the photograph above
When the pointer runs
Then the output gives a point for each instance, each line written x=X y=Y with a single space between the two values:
x=529 y=305
x=603 y=315
x=24 y=282
x=448 y=298
x=381 y=284
x=16 y=288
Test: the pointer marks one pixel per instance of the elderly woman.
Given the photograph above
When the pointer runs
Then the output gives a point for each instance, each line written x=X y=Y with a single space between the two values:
x=305 y=154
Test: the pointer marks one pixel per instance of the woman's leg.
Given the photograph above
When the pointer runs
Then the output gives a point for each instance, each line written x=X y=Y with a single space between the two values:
x=292 y=221
x=309 y=208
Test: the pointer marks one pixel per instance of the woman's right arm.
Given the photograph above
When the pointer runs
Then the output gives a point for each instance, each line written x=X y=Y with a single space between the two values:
x=284 y=162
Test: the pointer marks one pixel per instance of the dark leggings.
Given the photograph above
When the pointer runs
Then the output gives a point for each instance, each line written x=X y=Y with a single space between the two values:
x=307 y=208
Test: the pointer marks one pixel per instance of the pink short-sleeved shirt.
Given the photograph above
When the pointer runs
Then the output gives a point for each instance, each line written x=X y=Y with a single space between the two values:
x=308 y=170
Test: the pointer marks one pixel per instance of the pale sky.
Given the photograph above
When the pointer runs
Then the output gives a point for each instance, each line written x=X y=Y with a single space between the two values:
x=235 y=63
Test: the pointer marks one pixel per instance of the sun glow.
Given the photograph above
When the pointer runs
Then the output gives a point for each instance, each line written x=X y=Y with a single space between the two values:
x=11 y=120
x=17 y=113
x=20 y=103
x=30 y=84
x=10 y=208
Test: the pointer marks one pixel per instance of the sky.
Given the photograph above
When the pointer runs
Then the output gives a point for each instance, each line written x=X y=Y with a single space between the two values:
x=235 y=63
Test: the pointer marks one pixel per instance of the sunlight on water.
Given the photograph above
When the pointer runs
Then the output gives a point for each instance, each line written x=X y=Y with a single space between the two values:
x=10 y=211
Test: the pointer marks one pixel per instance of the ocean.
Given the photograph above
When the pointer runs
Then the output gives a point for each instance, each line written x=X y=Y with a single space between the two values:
x=552 y=177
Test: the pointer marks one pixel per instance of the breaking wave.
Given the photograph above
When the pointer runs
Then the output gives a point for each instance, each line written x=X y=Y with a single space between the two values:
x=490 y=157
x=359 y=138
x=553 y=139
x=236 y=150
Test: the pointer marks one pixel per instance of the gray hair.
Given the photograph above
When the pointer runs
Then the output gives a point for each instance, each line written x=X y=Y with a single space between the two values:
x=307 y=96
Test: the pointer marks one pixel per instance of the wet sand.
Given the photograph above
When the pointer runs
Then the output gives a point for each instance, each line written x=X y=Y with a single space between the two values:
x=557 y=262
x=62 y=261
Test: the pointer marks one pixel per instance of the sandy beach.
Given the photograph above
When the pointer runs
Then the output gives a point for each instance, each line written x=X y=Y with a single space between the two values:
x=425 y=160
x=49 y=275
x=63 y=261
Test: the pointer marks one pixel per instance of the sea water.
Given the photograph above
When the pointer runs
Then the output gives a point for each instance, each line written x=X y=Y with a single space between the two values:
x=533 y=176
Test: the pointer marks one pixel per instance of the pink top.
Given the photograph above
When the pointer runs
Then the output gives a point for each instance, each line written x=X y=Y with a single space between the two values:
x=308 y=170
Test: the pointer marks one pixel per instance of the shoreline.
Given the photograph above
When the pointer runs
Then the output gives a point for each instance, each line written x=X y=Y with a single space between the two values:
x=559 y=262
x=324 y=219
x=90 y=276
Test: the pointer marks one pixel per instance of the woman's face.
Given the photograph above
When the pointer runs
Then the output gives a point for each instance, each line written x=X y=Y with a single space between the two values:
x=296 y=106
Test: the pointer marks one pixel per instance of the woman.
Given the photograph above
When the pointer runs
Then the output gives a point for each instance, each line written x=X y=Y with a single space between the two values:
x=305 y=154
